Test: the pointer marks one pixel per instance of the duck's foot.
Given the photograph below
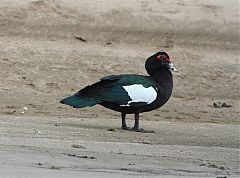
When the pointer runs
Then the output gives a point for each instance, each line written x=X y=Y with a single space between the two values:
x=126 y=128
x=142 y=130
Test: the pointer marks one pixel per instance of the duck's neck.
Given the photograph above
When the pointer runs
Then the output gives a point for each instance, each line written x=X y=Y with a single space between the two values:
x=164 y=81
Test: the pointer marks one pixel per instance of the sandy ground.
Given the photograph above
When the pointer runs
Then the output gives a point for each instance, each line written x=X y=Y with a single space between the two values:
x=42 y=61
x=73 y=147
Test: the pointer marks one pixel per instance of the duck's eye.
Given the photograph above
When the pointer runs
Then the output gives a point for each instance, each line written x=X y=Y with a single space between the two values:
x=161 y=57
x=158 y=57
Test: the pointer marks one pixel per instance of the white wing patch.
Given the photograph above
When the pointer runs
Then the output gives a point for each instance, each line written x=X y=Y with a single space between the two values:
x=138 y=93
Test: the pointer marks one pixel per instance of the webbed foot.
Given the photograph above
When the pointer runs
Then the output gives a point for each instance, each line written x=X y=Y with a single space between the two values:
x=126 y=128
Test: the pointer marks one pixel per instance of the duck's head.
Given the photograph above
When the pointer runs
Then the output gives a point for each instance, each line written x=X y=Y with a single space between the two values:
x=159 y=61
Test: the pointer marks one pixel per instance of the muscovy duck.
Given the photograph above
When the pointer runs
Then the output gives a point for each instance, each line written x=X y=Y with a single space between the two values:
x=130 y=93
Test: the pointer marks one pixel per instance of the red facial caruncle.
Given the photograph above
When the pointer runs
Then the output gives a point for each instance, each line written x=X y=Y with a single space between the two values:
x=163 y=57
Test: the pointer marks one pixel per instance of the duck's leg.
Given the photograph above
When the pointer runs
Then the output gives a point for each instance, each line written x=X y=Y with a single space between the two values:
x=136 y=126
x=124 y=125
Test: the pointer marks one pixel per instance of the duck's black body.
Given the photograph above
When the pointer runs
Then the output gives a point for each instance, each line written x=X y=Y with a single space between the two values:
x=163 y=91
x=130 y=94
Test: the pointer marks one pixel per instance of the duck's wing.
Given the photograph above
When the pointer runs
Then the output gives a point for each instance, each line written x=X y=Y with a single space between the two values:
x=124 y=90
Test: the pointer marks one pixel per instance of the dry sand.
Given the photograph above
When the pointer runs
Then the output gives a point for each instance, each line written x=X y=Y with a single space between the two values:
x=42 y=61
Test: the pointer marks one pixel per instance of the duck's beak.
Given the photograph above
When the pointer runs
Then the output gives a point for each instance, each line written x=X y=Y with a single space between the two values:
x=172 y=68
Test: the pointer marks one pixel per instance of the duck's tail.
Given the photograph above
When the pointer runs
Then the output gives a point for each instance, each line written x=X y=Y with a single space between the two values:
x=77 y=101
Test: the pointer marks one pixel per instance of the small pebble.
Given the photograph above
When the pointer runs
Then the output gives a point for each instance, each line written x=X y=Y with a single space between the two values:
x=39 y=164
x=37 y=131
x=78 y=146
x=221 y=104
x=112 y=129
